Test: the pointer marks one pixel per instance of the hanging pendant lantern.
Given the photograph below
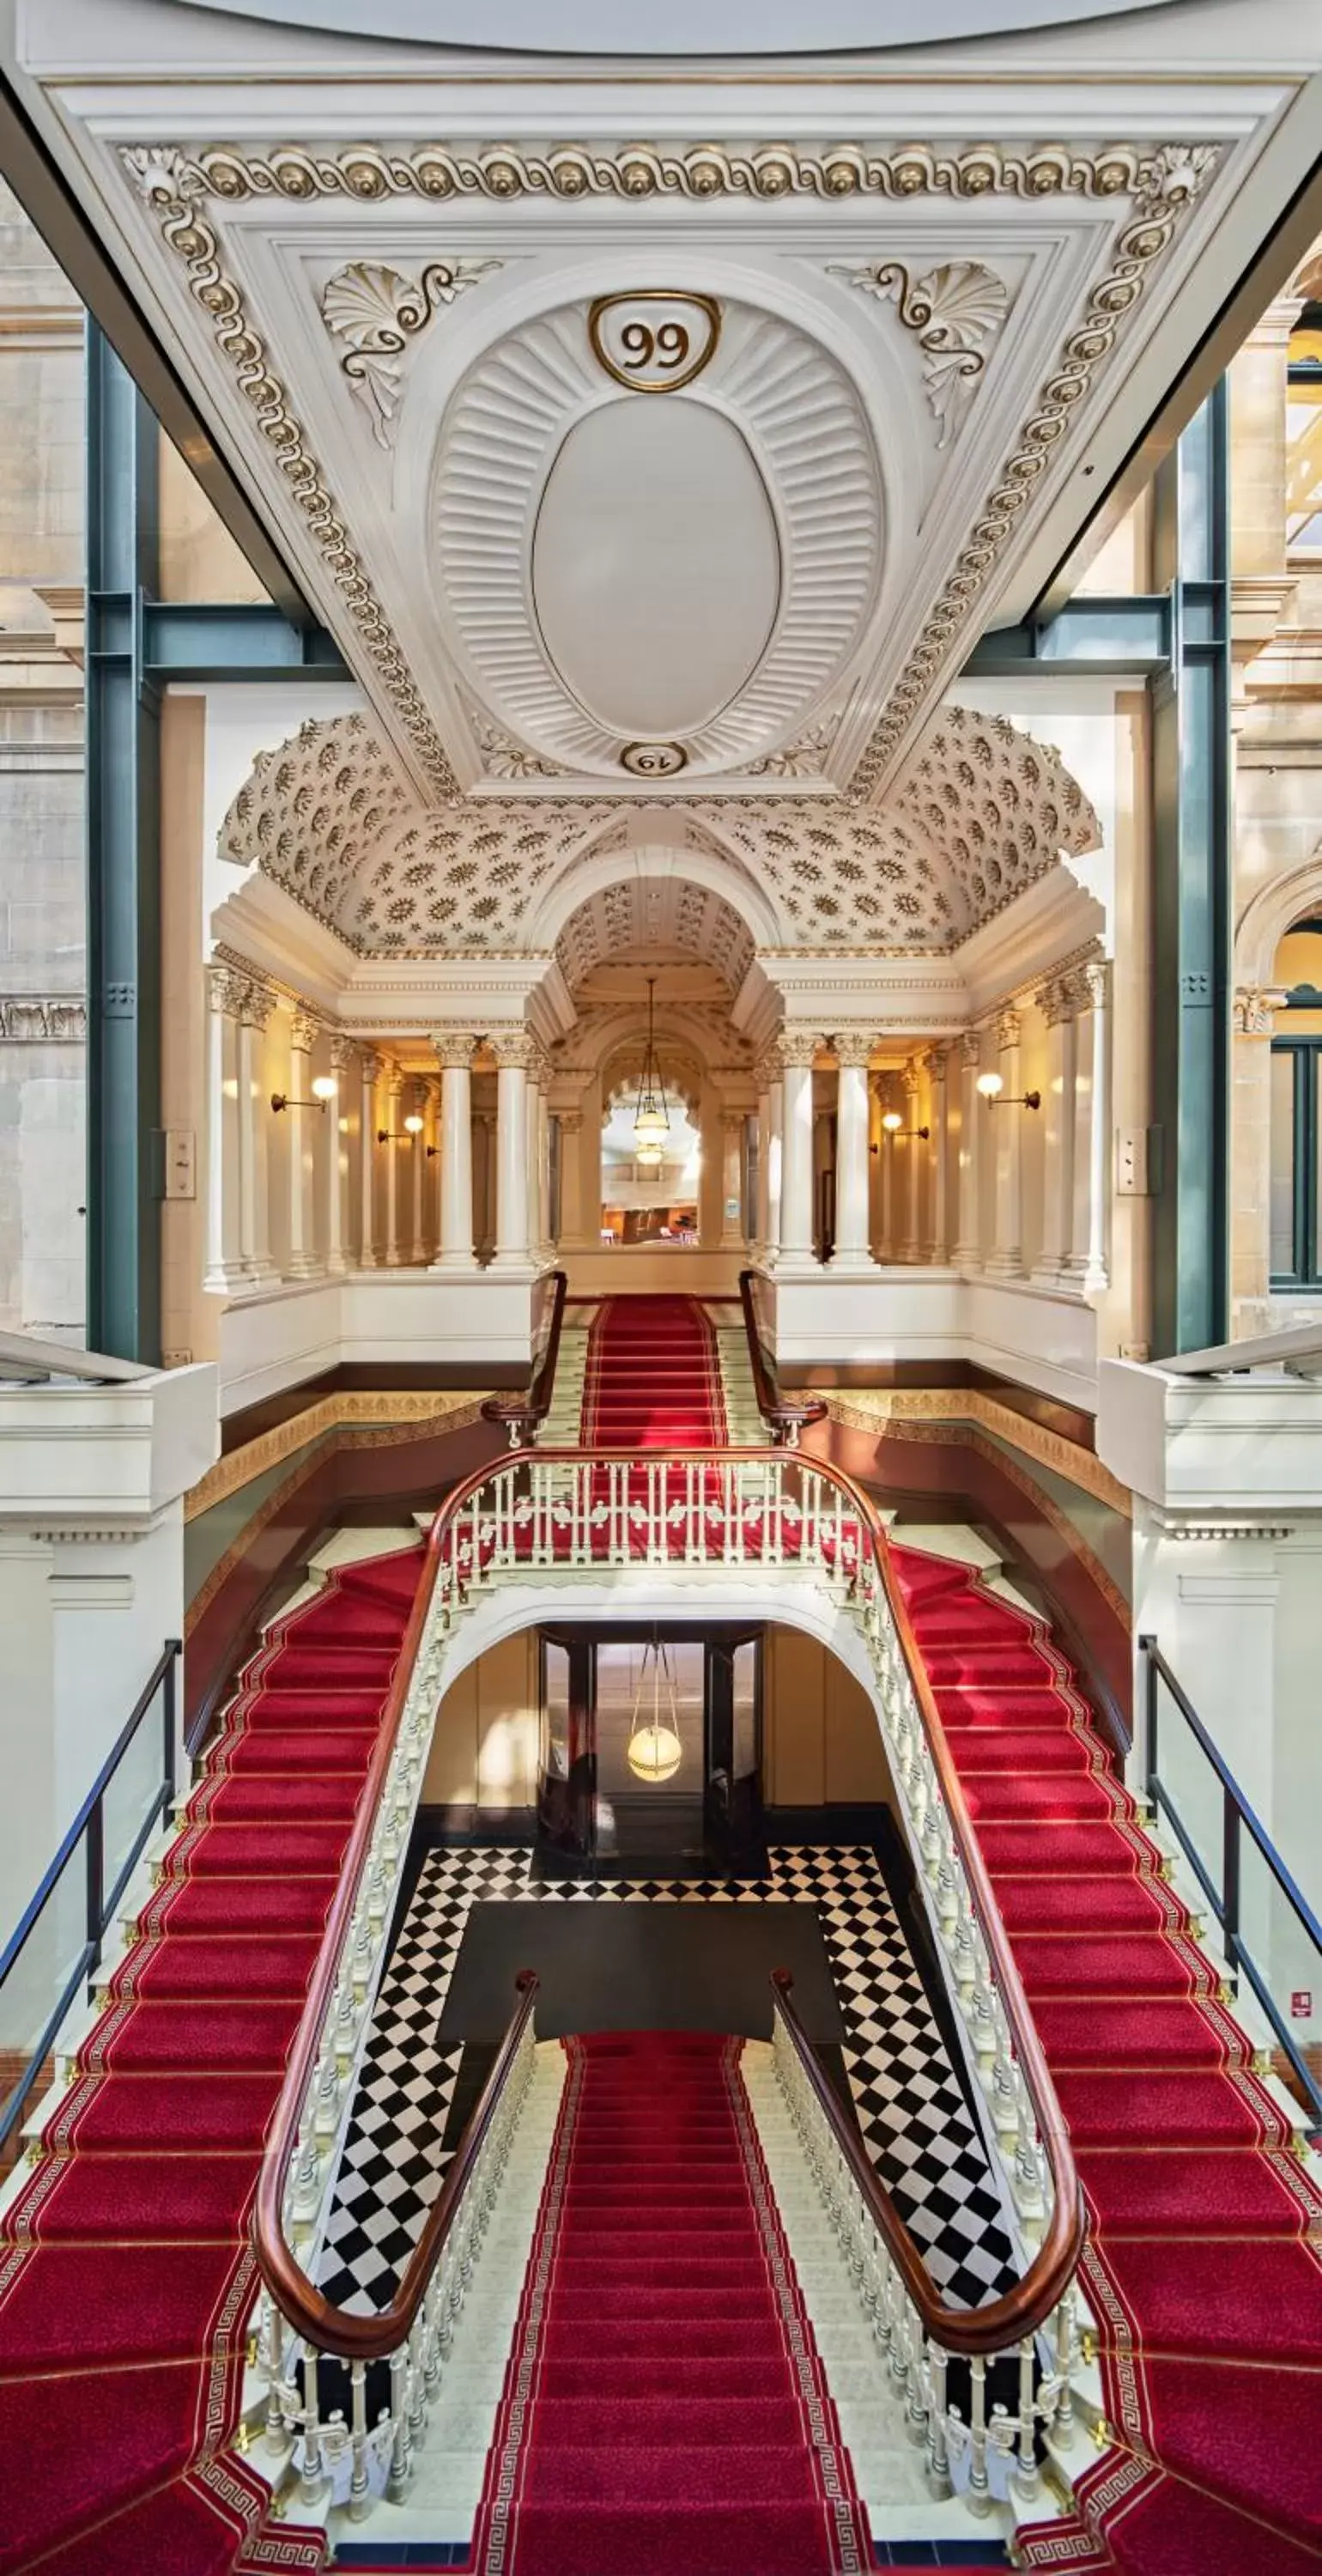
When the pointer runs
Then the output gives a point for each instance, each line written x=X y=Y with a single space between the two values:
x=654 y=1750
x=651 y=1119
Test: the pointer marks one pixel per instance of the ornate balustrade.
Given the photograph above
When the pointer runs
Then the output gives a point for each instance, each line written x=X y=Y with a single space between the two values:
x=758 y=1514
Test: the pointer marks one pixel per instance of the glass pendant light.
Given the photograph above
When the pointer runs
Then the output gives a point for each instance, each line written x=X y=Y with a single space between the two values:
x=654 y=1751
x=651 y=1120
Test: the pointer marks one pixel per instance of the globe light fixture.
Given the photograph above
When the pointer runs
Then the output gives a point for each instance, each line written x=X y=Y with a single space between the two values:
x=993 y=1090
x=654 y=1750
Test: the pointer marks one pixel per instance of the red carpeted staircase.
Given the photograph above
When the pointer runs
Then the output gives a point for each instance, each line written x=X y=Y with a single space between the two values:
x=652 y=1379
x=1202 y=2265
x=125 y=2270
x=665 y=2411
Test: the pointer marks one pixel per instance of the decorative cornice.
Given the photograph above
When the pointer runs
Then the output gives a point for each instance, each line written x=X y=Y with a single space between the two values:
x=1161 y=183
x=955 y=311
x=884 y=1409
x=372 y=311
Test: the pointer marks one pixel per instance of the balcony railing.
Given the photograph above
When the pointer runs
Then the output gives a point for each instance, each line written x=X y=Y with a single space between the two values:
x=522 y=1416
x=574 y=1511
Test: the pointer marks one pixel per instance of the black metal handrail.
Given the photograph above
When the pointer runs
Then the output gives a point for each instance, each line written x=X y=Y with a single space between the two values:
x=1236 y=1815
x=784 y=1416
x=100 y=1901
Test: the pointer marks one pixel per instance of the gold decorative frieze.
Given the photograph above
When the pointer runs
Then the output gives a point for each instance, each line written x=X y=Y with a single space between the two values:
x=885 y=1409
x=397 y=1412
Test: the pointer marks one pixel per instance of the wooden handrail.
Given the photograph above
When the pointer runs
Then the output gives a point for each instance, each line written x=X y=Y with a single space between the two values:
x=786 y=1416
x=521 y=1414
x=374 y=2338
x=1032 y=2300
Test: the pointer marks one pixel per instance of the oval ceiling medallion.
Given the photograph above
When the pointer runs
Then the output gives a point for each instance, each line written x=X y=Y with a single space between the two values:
x=655 y=566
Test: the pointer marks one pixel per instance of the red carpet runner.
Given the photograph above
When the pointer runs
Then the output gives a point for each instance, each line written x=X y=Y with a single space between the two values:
x=652 y=1378
x=125 y=2272
x=1198 y=2267
x=665 y=2411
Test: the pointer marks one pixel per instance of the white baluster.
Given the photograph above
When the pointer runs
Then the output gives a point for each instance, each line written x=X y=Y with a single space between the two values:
x=1027 y=2476
x=979 y=2490
x=358 y=2485
x=313 y=2472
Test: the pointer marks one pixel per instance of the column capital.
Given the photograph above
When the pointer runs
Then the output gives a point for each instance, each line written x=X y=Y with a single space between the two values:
x=769 y=1068
x=369 y=1064
x=1253 y=1011
x=571 y=1122
x=1057 y=1000
x=395 y=1079
x=799 y=1048
x=257 y=1003
x=853 y=1047
x=910 y=1076
x=935 y=1061
x=970 y=1047
x=304 y=1030
x=1009 y=1027
x=454 y=1048
x=1097 y=982
x=226 y=990
x=342 y=1050
x=514 y=1049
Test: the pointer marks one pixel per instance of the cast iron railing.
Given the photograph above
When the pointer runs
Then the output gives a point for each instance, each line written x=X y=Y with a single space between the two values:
x=56 y=1947
x=1226 y=1896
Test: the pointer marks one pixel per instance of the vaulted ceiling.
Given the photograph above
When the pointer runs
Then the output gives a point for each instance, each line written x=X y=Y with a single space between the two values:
x=659 y=424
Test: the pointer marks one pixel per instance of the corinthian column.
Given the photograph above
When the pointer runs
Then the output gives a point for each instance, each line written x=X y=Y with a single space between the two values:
x=852 y=1049
x=393 y=1129
x=968 y=1250
x=513 y=1051
x=254 y=1129
x=1087 y=1262
x=798 y=1047
x=337 y=1161
x=1056 y=1004
x=369 y=1067
x=227 y=1268
x=935 y=1063
x=454 y=1049
x=1007 y=1257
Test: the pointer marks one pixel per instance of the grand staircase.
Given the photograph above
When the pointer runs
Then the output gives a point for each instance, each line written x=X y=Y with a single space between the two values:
x=1202 y=2267
x=653 y=1378
x=126 y=2270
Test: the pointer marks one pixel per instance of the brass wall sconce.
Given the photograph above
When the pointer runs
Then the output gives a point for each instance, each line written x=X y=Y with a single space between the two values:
x=404 y=1135
x=992 y=1088
x=324 y=1089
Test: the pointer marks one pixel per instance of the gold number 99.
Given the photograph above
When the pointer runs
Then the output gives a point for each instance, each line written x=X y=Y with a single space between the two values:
x=668 y=347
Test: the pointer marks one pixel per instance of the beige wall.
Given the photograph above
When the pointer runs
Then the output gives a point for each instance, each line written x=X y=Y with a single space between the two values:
x=485 y=1743
x=821 y=1745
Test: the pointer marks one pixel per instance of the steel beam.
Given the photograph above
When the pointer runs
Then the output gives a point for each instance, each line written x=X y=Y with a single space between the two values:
x=124 y=1148
x=1117 y=638
x=1191 y=768
x=205 y=641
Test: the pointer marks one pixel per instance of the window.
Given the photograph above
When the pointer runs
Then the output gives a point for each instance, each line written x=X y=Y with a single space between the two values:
x=1295 y=1203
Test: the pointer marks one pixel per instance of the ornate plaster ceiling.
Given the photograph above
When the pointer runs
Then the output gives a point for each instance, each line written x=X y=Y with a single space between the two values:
x=647 y=920
x=985 y=812
x=934 y=306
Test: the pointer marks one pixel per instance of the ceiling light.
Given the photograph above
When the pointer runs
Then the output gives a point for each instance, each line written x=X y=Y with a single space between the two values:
x=654 y=1750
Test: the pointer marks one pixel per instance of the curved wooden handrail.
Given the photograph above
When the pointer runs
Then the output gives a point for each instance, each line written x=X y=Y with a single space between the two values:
x=374 y=2338
x=1032 y=2300
x=786 y=1415
x=521 y=1414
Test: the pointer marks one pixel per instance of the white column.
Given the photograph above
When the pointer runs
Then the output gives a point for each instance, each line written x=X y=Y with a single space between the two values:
x=888 y=1229
x=571 y=1180
x=967 y=1254
x=227 y=1268
x=1056 y=1004
x=935 y=1065
x=416 y=1159
x=852 y=1250
x=304 y=1258
x=732 y=1182
x=454 y=1048
x=1006 y=1260
x=338 y=1217
x=512 y=1049
x=797 y=1049
x=393 y=1125
x=1087 y=1260
x=762 y=1212
x=913 y=1163
x=254 y=1130
x=369 y=1066
x=775 y=1157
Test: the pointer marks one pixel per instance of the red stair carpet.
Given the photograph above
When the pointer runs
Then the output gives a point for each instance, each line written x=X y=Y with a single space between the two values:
x=665 y=2411
x=1201 y=2265
x=125 y=2270
x=652 y=1378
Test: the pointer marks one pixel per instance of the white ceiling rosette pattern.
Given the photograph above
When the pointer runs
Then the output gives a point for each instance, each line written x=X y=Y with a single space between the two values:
x=986 y=811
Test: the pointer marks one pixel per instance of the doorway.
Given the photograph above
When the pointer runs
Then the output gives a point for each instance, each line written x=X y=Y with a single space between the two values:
x=651 y=1747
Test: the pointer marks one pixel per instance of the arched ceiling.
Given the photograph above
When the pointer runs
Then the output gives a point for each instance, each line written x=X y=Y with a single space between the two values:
x=985 y=811
x=644 y=920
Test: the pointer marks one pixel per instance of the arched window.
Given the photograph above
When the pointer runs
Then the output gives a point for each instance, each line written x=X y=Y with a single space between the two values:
x=1296 y=1111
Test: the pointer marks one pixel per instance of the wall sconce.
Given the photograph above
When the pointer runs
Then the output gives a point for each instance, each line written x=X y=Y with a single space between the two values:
x=992 y=1087
x=324 y=1088
x=404 y=1135
x=893 y=1125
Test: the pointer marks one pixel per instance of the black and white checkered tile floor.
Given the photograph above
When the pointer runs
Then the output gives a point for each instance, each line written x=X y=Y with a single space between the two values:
x=912 y=2111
